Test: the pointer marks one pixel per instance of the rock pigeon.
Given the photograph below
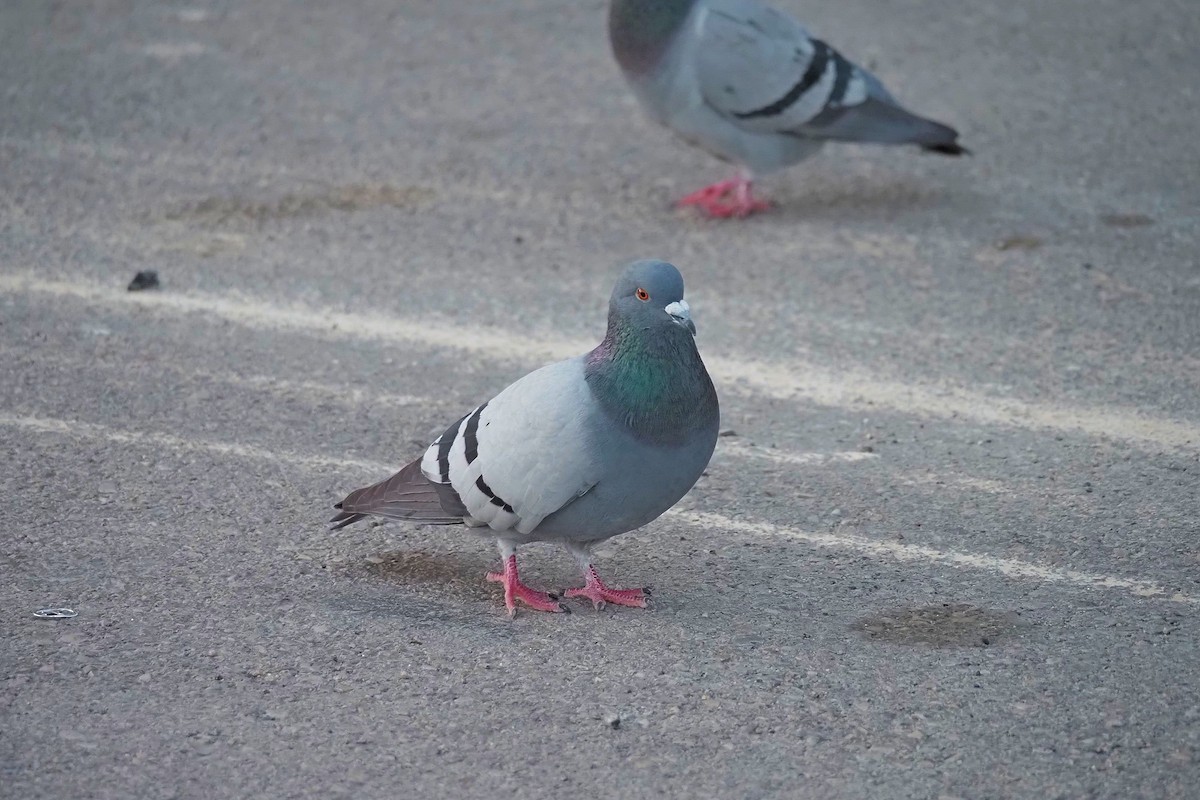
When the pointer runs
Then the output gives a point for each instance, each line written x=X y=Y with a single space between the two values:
x=575 y=452
x=751 y=86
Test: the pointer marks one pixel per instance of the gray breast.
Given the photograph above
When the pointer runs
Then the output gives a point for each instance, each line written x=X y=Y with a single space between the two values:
x=639 y=482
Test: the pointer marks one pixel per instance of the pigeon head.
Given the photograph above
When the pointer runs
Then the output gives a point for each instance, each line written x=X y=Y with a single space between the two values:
x=649 y=297
x=647 y=373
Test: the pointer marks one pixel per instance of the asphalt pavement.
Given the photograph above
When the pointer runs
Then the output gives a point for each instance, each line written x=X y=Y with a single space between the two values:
x=947 y=547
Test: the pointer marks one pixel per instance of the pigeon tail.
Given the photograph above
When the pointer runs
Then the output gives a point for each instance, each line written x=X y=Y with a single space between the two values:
x=951 y=149
x=406 y=495
x=880 y=121
x=345 y=518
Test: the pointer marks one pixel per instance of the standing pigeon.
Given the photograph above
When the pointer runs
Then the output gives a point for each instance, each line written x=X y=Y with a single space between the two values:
x=749 y=85
x=577 y=451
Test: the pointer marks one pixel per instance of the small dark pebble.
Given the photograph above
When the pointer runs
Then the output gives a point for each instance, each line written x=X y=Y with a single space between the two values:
x=866 y=448
x=729 y=432
x=1087 y=265
x=146 y=279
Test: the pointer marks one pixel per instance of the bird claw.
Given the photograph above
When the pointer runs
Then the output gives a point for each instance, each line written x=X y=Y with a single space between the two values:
x=600 y=595
x=560 y=608
x=515 y=591
x=725 y=199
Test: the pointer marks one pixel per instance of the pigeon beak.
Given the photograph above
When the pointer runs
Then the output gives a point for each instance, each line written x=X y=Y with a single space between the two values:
x=681 y=313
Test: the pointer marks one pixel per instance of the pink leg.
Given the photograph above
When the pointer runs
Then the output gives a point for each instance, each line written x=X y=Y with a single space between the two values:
x=728 y=198
x=514 y=590
x=599 y=594
x=709 y=194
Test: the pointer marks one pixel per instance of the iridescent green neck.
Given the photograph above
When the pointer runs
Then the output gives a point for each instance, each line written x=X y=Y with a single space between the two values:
x=655 y=383
x=642 y=30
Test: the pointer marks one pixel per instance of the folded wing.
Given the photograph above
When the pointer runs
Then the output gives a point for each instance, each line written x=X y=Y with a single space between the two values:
x=762 y=70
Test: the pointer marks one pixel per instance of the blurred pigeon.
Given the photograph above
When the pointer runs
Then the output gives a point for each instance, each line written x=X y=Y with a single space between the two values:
x=749 y=85
x=575 y=452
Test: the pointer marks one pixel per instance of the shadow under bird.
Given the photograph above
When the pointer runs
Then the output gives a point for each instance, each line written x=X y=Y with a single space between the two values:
x=749 y=84
x=575 y=452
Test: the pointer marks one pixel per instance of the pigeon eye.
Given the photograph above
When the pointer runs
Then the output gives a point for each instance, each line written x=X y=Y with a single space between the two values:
x=642 y=294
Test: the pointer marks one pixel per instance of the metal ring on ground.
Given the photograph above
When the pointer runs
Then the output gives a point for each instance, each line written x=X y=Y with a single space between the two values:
x=56 y=613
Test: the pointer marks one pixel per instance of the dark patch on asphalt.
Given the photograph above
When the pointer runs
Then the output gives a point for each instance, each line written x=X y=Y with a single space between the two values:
x=459 y=578
x=942 y=625
x=419 y=609
x=349 y=198
x=1126 y=220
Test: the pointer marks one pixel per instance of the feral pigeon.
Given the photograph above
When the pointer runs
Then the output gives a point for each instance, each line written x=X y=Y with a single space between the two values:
x=751 y=86
x=575 y=452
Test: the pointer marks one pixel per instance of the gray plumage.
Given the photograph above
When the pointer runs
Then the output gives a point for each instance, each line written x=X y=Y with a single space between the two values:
x=577 y=451
x=750 y=85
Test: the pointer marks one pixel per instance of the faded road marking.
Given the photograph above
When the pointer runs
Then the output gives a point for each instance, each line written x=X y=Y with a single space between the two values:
x=88 y=430
x=311 y=391
x=873 y=548
x=354 y=398
x=741 y=450
x=793 y=380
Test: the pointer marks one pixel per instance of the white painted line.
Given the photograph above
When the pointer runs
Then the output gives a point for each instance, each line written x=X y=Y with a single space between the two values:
x=851 y=389
x=349 y=396
x=961 y=482
x=87 y=430
x=742 y=450
x=792 y=380
x=895 y=551
x=837 y=541
x=920 y=480
x=355 y=398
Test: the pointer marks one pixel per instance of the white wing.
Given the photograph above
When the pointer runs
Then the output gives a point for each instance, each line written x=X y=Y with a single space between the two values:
x=524 y=454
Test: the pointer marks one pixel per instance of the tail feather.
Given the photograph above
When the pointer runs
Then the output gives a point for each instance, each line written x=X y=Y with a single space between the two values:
x=951 y=149
x=406 y=495
x=344 y=519
x=878 y=121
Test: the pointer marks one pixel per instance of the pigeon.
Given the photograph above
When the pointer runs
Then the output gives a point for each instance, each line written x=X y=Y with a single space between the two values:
x=748 y=84
x=576 y=452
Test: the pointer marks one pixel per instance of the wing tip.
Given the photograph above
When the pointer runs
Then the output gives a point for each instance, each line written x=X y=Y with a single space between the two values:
x=947 y=149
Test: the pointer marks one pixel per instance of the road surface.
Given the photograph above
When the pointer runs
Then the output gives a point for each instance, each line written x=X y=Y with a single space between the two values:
x=947 y=547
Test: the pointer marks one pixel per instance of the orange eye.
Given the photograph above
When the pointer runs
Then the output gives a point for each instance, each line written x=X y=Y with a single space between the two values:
x=642 y=294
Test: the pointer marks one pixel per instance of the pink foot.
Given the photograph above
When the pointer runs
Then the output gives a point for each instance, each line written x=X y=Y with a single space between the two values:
x=600 y=594
x=730 y=198
x=514 y=590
